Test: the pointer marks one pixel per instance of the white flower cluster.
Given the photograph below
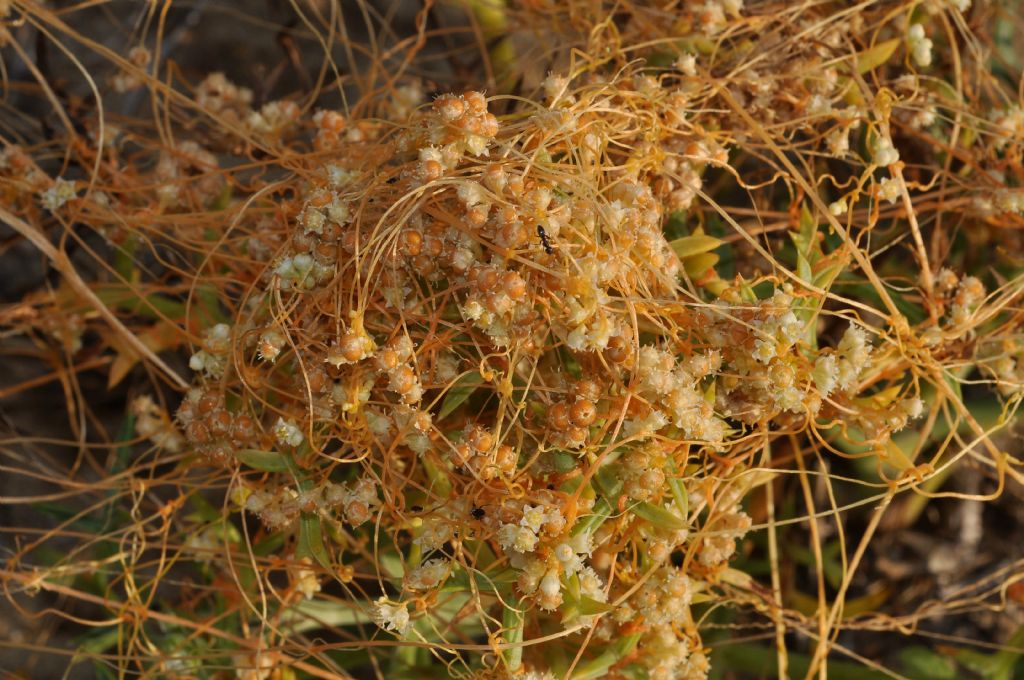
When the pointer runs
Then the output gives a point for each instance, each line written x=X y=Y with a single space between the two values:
x=883 y=153
x=668 y=656
x=841 y=370
x=1009 y=125
x=153 y=423
x=323 y=211
x=219 y=96
x=304 y=578
x=591 y=328
x=212 y=359
x=458 y=124
x=1007 y=367
x=672 y=388
x=544 y=578
x=57 y=195
x=302 y=272
x=969 y=294
x=273 y=119
x=428 y=575
x=889 y=189
x=350 y=396
x=358 y=499
x=1009 y=200
x=713 y=14
x=270 y=344
x=664 y=599
x=523 y=537
x=433 y=533
x=392 y=617
x=719 y=546
x=920 y=46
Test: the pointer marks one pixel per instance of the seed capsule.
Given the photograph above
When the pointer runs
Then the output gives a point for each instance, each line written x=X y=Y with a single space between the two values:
x=583 y=413
x=219 y=423
x=197 y=433
x=403 y=380
x=482 y=440
x=412 y=243
x=513 y=285
x=558 y=417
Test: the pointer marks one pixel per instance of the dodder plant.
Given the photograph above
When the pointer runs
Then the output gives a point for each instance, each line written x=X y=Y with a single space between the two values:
x=501 y=381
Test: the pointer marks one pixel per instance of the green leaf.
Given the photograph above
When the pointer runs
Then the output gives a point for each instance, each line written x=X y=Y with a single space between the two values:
x=269 y=545
x=309 y=615
x=954 y=384
x=598 y=667
x=678 y=490
x=121 y=297
x=496 y=582
x=588 y=606
x=808 y=251
x=828 y=274
x=808 y=230
x=459 y=392
x=124 y=257
x=208 y=306
x=570 y=364
x=513 y=621
x=311 y=540
x=601 y=512
x=698 y=264
x=607 y=481
x=440 y=485
x=695 y=244
x=268 y=461
x=659 y=516
x=123 y=453
x=563 y=462
x=914 y=313
x=921 y=663
x=876 y=55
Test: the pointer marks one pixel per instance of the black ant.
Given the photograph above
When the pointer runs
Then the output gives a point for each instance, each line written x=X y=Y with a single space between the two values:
x=544 y=240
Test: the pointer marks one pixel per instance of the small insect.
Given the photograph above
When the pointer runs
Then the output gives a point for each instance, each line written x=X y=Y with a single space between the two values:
x=478 y=513
x=417 y=508
x=544 y=240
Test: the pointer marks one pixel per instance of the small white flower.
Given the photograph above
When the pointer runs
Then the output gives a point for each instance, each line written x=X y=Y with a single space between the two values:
x=889 y=190
x=339 y=177
x=913 y=407
x=393 y=617
x=550 y=585
x=270 y=344
x=306 y=581
x=56 y=196
x=428 y=574
x=883 y=153
x=533 y=517
x=764 y=349
x=517 y=538
x=825 y=374
x=564 y=552
x=287 y=433
x=687 y=65
x=920 y=46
